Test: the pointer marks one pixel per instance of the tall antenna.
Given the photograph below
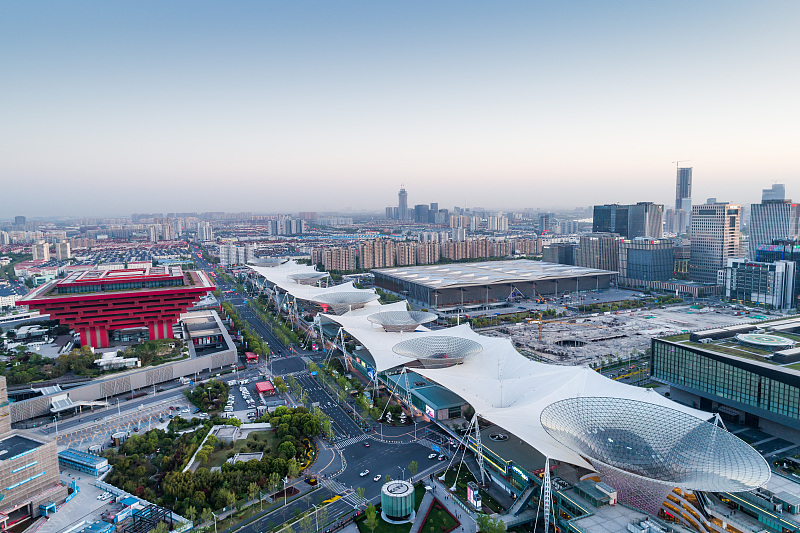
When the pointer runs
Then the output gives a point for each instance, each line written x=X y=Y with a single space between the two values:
x=678 y=163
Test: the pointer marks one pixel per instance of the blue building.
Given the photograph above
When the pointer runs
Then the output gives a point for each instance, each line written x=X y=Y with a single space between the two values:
x=82 y=462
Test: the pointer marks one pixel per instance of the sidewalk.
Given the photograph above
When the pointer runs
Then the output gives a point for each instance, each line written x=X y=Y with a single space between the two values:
x=466 y=517
x=424 y=505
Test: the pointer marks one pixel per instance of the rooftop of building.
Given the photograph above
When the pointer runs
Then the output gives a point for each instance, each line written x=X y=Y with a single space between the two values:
x=16 y=445
x=81 y=283
x=511 y=448
x=724 y=341
x=485 y=273
x=83 y=458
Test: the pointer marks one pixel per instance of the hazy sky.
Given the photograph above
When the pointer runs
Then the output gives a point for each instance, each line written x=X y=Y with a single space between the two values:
x=120 y=107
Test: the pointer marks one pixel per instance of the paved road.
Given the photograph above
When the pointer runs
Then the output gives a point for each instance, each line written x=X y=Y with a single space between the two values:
x=343 y=425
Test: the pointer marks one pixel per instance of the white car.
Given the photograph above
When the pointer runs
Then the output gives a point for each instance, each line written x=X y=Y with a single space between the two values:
x=185 y=410
x=377 y=478
x=228 y=409
x=433 y=456
x=365 y=473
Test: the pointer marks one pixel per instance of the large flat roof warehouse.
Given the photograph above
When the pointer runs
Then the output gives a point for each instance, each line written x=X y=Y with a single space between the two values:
x=470 y=274
x=472 y=285
x=16 y=445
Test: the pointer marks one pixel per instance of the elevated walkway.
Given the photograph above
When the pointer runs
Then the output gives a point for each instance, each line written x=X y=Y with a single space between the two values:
x=523 y=500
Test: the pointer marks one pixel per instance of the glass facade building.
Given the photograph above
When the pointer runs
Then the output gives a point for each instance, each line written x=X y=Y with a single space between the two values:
x=642 y=260
x=728 y=384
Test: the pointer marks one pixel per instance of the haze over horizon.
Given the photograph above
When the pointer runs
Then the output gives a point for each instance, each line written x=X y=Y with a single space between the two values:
x=114 y=108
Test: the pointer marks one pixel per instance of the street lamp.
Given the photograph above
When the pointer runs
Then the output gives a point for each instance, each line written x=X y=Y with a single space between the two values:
x=403 y=470
x=316 y=514
x=215 y=521
x=285 y=494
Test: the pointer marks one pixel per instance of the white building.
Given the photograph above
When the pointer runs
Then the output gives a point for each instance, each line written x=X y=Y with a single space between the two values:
x=63 y=251
x=231 y=254
x=205 y=232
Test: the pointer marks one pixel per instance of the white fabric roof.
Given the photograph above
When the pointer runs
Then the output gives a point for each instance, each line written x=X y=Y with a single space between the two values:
x=502 y=385
x=279 y=275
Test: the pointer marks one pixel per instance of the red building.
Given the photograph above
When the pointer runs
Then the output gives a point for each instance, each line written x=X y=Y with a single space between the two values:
x=265 y=387
x=97 y=301
x=251 y=358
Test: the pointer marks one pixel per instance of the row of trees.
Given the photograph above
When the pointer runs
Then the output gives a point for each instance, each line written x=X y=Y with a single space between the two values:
x=253 y=342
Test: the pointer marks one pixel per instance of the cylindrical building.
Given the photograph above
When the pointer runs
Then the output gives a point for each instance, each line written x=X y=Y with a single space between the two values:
x=397 y=502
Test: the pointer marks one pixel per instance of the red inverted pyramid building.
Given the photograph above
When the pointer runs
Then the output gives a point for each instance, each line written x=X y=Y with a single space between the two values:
x=95 y=302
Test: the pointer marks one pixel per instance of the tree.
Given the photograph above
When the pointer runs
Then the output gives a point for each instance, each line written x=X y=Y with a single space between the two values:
x=306 y=524
x=207 y=515
x=191 y=512
x=274 y=481
x=322 y=516
x=371 y=519
x=230 y=498
x=413 y=467
x=160 y=528
x=253 y=490
x=487 y=524
x=292 y=468
x=360 y=492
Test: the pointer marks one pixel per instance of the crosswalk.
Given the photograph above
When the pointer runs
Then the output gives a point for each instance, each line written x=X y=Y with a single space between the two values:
x=341 y=445
x=334 y=486
x=355 y=501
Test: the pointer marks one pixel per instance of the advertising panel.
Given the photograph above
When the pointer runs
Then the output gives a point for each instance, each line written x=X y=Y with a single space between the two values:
x=429 y=411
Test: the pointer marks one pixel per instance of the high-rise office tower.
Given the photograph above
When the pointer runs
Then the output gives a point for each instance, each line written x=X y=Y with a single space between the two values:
x=598 y=250
x=421 y=213
x=775 y=218
x=776 y=192
x=19 y=220
x=644 y=219
x=402 y=203
x=715 y=239
x=683 y=187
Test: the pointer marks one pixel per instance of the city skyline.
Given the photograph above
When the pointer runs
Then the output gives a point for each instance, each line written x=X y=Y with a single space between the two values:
x=200 y=107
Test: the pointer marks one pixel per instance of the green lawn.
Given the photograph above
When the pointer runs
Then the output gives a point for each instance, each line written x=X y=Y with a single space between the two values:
x=749 y=353
x=438 y=520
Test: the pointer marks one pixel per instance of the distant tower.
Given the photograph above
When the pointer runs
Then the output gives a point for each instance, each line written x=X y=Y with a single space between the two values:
x=402 y=208
x=683 y=188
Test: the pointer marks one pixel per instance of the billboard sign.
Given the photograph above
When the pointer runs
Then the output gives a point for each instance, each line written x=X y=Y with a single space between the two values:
x=429 y=411
x=473 y=496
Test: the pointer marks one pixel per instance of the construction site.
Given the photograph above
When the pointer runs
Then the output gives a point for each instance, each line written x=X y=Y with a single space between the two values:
x=594 y=339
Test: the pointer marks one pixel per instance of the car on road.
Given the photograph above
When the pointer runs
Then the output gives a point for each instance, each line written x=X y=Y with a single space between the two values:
x=377 y=478
x=432 y=455
x=442 y=457
x=366 y=445
x=365 y=473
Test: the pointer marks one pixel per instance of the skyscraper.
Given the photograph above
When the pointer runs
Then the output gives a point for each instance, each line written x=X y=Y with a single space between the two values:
x=683 y=188
x=775 y=218
x=715 y=239
x=644 y=219
x=402 y=203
